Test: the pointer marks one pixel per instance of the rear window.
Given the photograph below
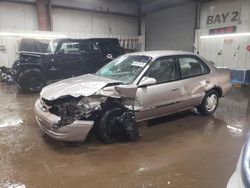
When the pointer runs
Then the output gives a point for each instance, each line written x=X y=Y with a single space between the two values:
x=109 y=45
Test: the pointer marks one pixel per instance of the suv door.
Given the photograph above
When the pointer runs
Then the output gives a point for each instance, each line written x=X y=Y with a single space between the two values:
x=110 y=49
x=69 y=59
x=91 y=56
x=164 y=96
x=195 y=77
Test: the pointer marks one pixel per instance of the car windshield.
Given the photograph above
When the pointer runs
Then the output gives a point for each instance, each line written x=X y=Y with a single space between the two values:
x=124 y=68
x=52 y=47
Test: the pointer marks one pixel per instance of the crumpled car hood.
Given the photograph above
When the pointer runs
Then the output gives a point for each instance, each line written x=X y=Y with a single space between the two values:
x=84 y=85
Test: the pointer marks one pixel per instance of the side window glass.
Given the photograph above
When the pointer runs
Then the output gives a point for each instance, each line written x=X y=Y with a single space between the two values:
x=163 y=70
x=70 y=47
x=90 y=46
x=84 y=47
x=191 y=66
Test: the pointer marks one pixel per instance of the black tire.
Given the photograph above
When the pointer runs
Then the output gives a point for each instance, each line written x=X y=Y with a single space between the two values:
x=129 y=124
x=206 y=108
x=106 y=124
x=32 y=80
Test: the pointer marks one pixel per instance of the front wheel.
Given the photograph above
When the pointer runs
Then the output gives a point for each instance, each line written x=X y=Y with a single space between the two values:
x=118 y=125
x=209 y=103
x=109 y=126
x=32 y=80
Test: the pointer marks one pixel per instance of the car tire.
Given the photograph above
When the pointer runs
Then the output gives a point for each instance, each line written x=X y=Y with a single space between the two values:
x=209 y=103
x=107 y=122
x=32 y=80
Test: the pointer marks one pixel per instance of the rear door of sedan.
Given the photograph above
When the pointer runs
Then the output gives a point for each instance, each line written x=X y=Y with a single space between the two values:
x=194 y=78
x=165 y=96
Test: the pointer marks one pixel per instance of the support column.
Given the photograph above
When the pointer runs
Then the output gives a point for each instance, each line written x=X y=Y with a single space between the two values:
x=42 y=15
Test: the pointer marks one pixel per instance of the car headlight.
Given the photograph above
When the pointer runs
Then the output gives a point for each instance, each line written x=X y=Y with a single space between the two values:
x=246 y=163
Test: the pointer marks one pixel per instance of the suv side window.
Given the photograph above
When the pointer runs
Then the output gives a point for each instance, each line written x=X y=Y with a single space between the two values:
x=163 y=70
x=89 y=46
x=192 y=66
x=70 y=47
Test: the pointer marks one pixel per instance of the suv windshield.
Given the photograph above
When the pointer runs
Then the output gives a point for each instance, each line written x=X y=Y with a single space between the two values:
x=52 y=47
x=125 y=68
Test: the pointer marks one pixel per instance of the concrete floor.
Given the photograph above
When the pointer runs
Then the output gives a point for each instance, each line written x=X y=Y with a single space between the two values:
x=182 y=150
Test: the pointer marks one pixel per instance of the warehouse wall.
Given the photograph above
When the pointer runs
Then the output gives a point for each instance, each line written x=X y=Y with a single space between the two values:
x=18 y=16
x=231 y=52
x=114 y=6
x=171 y=29
x=65 y=20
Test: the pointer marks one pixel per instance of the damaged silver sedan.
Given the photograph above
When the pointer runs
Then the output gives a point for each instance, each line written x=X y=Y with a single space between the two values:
x=131 y=88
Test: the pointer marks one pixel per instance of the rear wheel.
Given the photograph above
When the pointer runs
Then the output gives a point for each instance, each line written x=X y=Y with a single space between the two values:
x=32 y=80
x=209 y=103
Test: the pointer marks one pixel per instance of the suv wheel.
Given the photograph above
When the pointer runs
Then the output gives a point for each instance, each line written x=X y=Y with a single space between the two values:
x=32 y=80
x=209 y=103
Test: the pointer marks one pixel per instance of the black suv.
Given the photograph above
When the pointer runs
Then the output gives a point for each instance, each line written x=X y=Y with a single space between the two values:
x=64 y=58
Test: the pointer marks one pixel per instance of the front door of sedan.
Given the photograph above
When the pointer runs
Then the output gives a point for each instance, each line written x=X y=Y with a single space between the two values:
x=165 y=95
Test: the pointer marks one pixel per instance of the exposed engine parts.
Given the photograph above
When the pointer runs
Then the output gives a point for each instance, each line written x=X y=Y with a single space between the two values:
x=122 y=127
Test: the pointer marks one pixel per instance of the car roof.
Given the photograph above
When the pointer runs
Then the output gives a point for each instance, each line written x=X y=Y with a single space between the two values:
x=156 y=54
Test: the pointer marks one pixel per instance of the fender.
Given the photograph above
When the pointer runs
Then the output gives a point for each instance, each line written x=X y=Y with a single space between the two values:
x=30 y=65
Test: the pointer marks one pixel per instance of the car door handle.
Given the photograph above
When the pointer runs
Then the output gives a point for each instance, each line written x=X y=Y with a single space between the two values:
x=175 y=89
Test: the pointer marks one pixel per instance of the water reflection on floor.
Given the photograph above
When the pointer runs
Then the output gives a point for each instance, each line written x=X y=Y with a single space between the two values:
x=182 y=150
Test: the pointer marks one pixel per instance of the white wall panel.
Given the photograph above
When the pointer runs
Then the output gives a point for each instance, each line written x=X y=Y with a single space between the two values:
x=114 y=6
x=65 y=20
x=18 y=16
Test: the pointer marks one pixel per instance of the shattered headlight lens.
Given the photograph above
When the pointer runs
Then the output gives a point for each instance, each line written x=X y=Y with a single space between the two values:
x=246 y=163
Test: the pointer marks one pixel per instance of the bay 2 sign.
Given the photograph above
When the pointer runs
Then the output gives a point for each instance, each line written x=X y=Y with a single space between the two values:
x=223 y=18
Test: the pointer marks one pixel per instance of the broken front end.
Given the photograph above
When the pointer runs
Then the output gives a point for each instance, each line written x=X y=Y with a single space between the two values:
x=71 y=118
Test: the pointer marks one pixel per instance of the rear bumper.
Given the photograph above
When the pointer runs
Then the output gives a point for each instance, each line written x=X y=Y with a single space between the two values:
x=75 y=132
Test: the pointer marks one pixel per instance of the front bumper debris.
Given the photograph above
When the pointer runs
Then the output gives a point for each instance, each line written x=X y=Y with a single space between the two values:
x=77 y=131
x=7 y=74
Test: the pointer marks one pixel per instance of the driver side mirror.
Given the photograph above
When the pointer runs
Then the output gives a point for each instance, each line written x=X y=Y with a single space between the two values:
x=147 y=81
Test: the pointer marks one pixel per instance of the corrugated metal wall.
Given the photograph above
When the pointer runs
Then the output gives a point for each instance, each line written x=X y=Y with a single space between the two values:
x=18 y=16
x=65 y=20
x=171 y=29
